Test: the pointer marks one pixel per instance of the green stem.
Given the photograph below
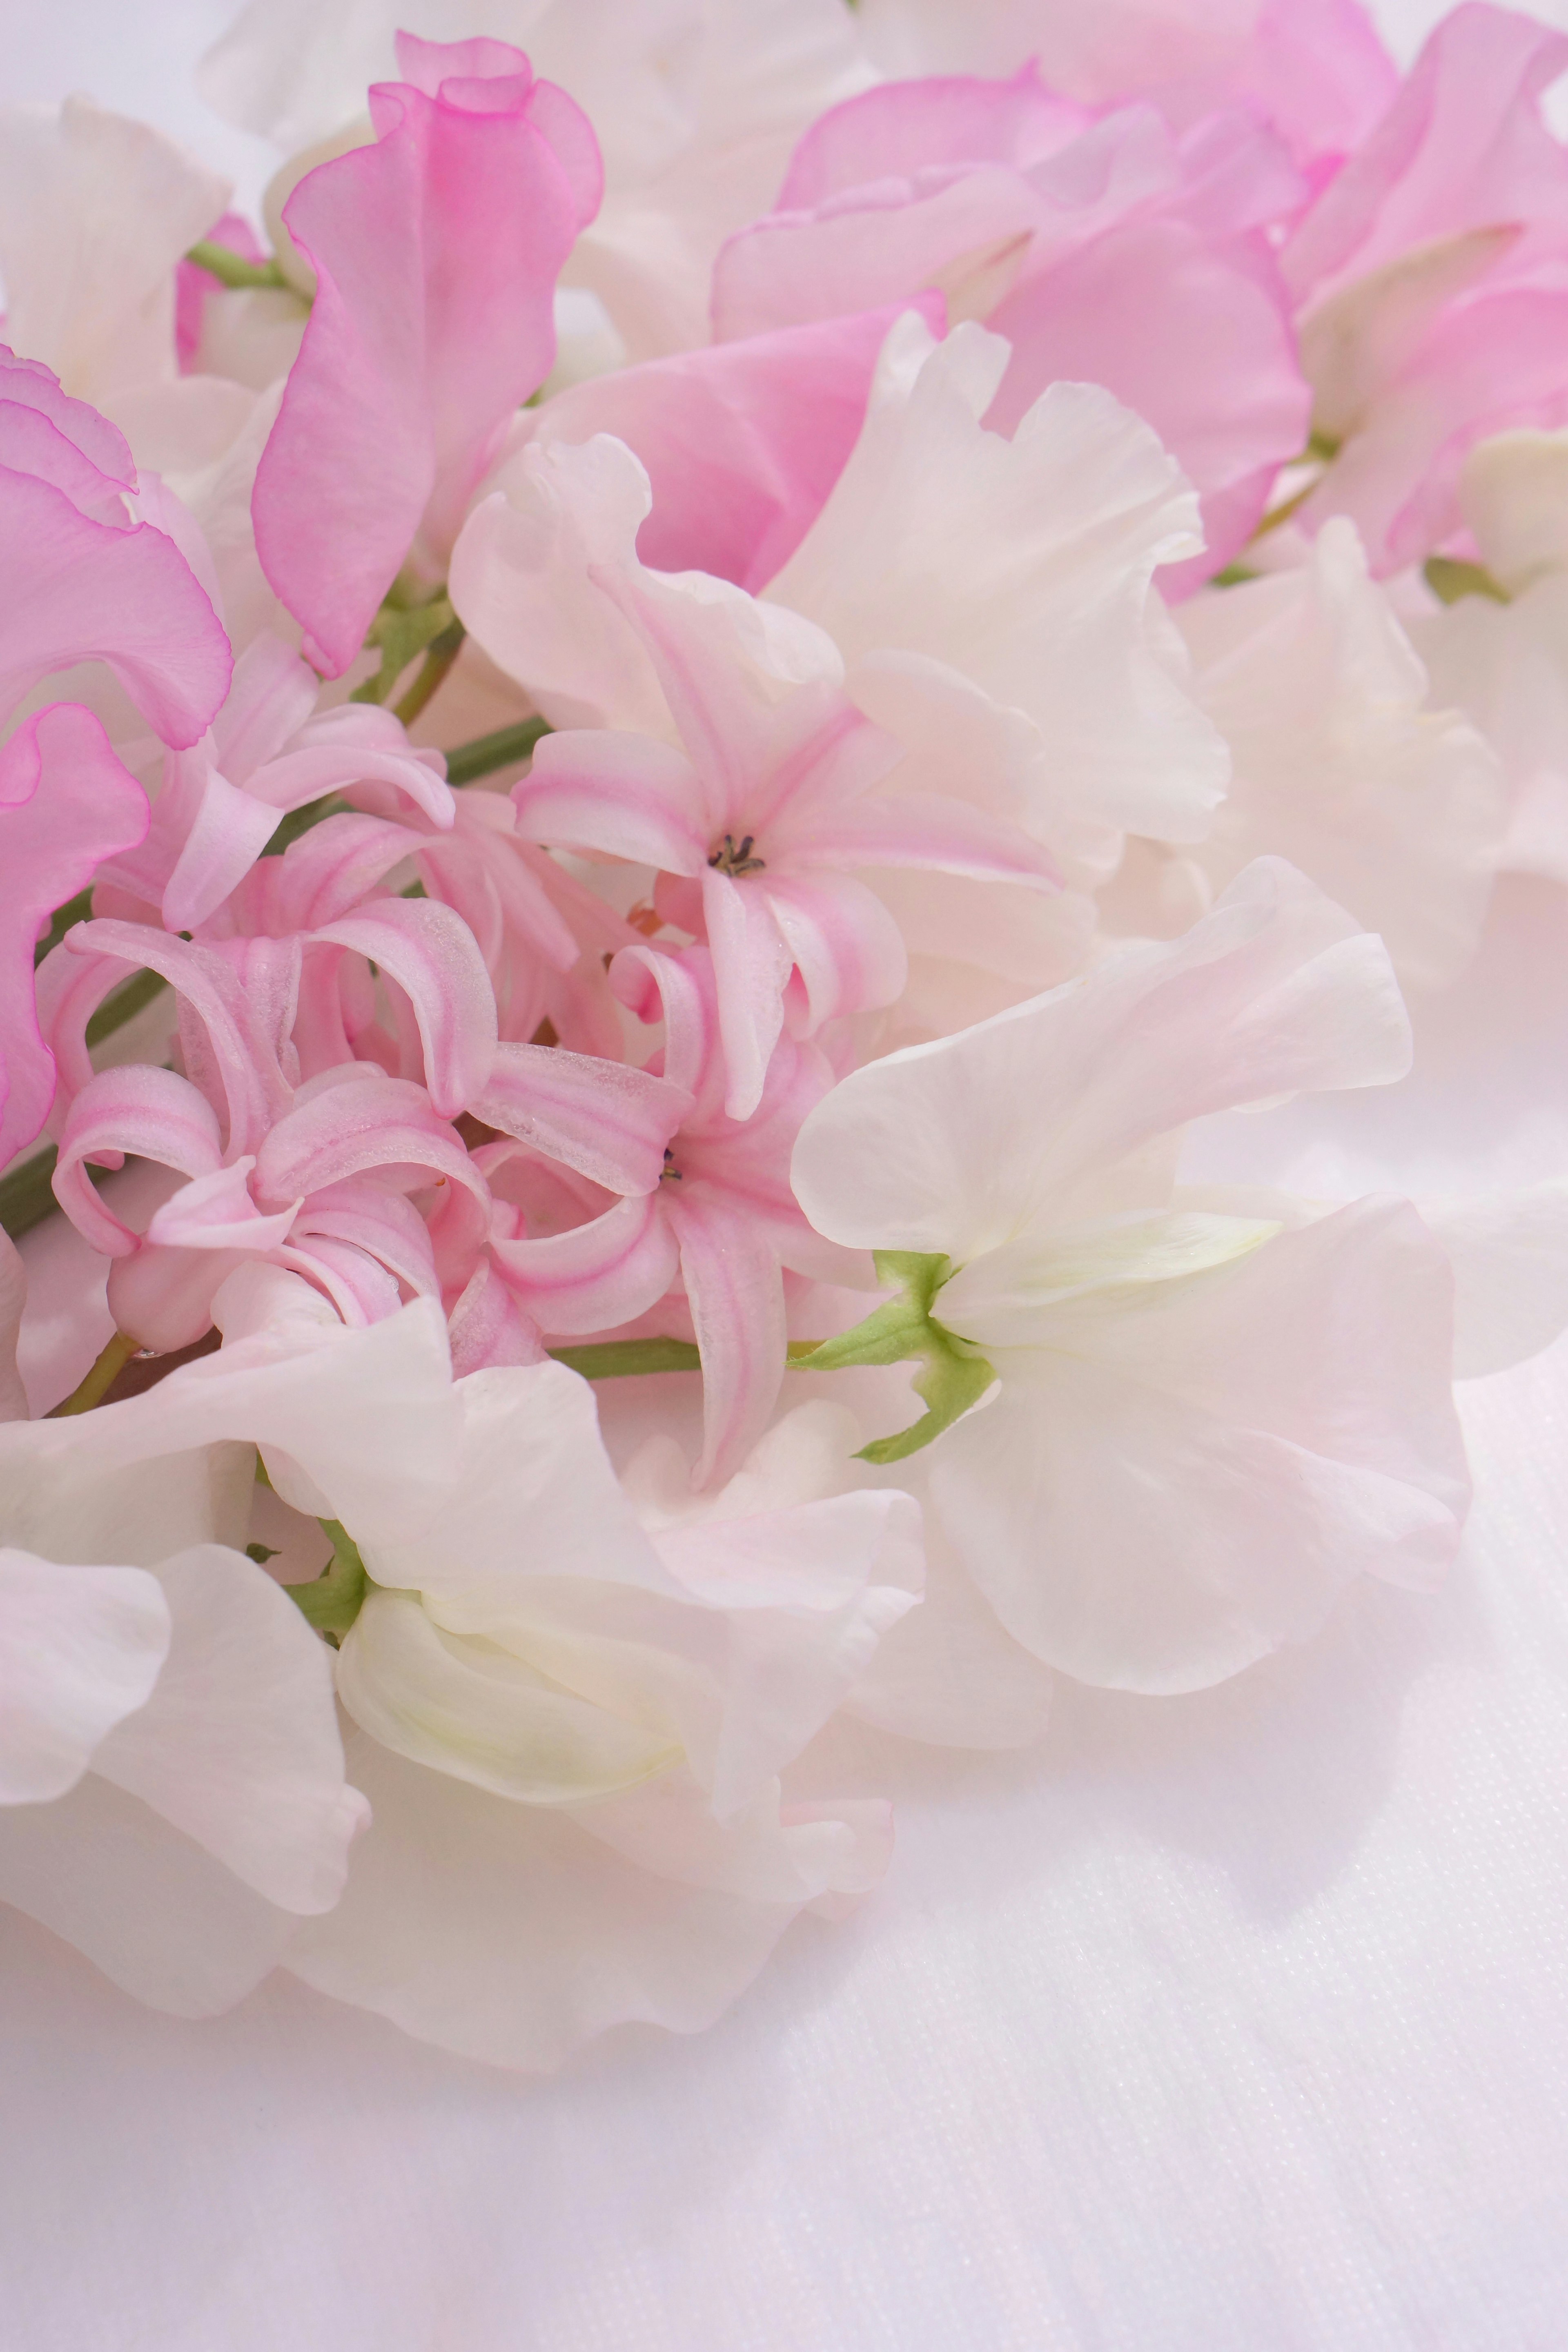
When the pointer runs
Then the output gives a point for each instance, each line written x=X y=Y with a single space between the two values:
x=628 y=1360
x=232 y=270
x=486 y=754
x=105 y=1372
x=438 y=659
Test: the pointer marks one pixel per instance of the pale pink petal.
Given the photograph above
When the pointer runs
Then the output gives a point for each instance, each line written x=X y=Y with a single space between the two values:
x=216 y=1212
x=742 y=441
x=153 y=1114
x=597 y=1275
x=487 y=1327
x=919 y=829
x=1167 y=1492
x=81 y=1649
x=735 y=1292
x=751 y=961
x=75 y=590
x=240 y=1042
x=341 y=1131
x=230 y=831
x=626 y=796
x=431 y=953
x=65 y=802
x=849 y=952
x=606 y=1120
x=327 y=874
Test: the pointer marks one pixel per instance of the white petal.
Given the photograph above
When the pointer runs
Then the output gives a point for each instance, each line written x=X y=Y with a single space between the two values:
x=960 y=1145
x=1509 y=1256
x=148 y=1906
x=506 y=1933
x=80 y=1648
x=1028 y=566
x=239 y=1747
x=1192 y=1474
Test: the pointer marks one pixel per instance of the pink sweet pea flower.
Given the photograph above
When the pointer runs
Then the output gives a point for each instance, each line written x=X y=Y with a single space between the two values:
x=82 y=583
x=436 y=252
x=742 y=441
x=1314 y=69
x=1118 y=253
x=1432 y=279
x=65 y=802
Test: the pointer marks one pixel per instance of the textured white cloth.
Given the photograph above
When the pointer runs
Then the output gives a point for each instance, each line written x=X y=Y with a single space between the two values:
x=1236 y=2022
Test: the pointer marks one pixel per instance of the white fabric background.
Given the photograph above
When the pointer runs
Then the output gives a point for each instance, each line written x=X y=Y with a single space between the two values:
x=1231 y=2023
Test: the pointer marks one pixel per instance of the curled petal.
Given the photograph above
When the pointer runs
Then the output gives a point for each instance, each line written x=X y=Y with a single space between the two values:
x=216 y=1212
x=607 y=1119
x=156 y=1114
x=597 y=1276
x=432 y=955
x=341 y=1130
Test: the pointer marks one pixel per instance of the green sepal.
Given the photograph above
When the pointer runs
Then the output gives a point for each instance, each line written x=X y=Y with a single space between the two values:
x=952 y=1376
x=400 y=636
x=1449 y=580
x=332 y=1600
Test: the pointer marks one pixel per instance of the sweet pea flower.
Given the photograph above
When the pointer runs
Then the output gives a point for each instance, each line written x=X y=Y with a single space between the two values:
x=96 y=213
x=435 y=252
x=1431 y=280
x=574 y=1744
x=172 y=1789
x=1314 y=69
x=1115 y=252
x=1499 y=648
x=1204 y=1422
x=695 y=105
x=1341 y=764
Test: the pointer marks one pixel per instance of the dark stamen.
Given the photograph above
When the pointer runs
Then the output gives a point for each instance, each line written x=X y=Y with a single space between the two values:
x=728 y=859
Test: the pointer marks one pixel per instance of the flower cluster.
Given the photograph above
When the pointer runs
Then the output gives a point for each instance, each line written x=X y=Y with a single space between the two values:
x=653 y=759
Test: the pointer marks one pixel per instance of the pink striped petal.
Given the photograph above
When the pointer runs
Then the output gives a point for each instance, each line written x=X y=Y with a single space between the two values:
x=384 y=1223
x=230 y=831
x=323 y=877
x=360 y=1287
x=216 y=1212
x=595 y=1277
x=919 y=829
x=233 y=1038
x=735 y=1292
x=752 y=963
x=343 y=1129
x=155 y=1114
x=434 y=958
x=625 y=795
x=65 y=802
x=487 y=1327
x=679 y=991
x=70 y=989
x=606 y=1120
x=849 y=952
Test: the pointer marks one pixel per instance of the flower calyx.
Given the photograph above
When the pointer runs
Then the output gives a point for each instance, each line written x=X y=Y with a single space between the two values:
x=952 y=1376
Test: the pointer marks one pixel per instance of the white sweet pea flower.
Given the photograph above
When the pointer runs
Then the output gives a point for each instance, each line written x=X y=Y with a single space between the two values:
x=1203 y=1424
x=572 y=1732
x=1499 y=647
x=172 y=1789
x=95 y=213
x=1340 y=762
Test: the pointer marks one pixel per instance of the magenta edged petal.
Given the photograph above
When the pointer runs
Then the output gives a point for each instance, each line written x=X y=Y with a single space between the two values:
x=65 y=802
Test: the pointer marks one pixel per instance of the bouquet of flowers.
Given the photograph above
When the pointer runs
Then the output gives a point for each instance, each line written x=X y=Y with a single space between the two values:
x=655 y=753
